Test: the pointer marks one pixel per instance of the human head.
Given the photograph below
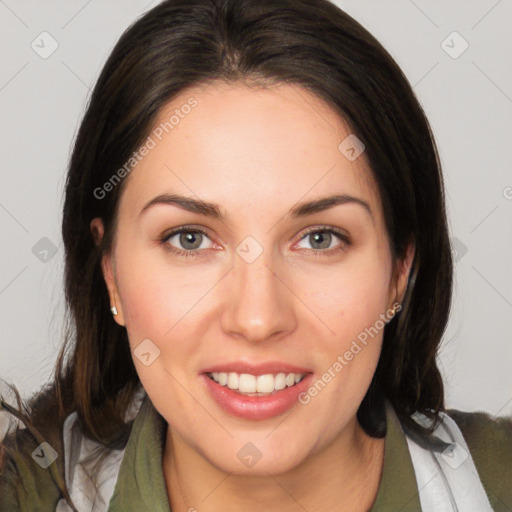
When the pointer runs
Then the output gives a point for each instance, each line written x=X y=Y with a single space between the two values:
x=267 y=42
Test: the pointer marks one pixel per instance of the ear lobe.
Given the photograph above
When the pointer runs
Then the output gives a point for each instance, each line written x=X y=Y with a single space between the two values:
x=108 y=271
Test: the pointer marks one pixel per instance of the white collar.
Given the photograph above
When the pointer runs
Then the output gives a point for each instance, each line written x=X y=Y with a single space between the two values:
x=81 y=478
x=446 y=475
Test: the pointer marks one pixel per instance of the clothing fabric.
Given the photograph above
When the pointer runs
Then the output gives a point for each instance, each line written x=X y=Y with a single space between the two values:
x=465 y=465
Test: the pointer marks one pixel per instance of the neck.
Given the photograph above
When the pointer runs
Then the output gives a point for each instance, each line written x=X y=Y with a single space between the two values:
x=343 y=475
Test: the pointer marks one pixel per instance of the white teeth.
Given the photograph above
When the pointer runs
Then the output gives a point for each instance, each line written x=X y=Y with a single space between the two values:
x=261 y=384
x=280 y=381
x=265 y=383
x=247 y=383
x=233 y=380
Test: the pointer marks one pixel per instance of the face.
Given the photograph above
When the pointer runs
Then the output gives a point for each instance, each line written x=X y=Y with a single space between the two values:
x=255 y=288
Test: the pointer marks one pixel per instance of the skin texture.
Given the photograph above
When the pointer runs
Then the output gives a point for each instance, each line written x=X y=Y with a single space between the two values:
x=256 y=153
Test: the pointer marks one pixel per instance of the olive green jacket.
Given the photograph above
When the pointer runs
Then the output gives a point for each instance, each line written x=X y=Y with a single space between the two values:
x=140 y=485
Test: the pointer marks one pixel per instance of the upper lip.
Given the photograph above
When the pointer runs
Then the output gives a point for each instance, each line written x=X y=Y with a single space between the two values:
x=256 y=368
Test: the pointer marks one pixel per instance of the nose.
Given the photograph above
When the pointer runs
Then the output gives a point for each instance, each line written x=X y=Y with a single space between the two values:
x=260 y=305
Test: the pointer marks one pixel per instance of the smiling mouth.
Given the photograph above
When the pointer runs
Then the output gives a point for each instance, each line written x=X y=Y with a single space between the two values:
x=256 y=385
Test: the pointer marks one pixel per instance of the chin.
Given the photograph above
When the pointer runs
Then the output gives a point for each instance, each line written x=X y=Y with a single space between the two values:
x=257 y=456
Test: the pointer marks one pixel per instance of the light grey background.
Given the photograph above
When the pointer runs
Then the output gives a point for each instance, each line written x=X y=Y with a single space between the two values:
x=468 y=101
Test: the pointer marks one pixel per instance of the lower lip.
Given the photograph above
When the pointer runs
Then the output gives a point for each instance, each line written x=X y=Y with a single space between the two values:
x=256 y=407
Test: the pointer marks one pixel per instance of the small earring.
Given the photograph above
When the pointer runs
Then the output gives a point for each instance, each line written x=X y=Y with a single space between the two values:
x=396 y=308
x=114 y=310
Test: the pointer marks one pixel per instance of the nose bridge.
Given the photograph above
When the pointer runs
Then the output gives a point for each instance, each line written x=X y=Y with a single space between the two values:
x=258 y=306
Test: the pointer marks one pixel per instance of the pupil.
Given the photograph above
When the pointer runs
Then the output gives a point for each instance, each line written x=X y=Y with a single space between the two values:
x=188 y=238
x=322 y=239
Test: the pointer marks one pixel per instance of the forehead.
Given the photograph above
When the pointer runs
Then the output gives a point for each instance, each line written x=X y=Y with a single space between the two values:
x=240 y=145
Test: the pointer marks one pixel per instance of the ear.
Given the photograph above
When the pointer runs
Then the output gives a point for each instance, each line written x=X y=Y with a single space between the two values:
x=401 y=273
x=108 y=270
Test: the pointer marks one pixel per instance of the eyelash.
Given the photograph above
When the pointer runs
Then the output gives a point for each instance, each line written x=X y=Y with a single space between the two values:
x=316 y=252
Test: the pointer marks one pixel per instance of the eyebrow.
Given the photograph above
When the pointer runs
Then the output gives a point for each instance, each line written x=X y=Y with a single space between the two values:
x=214 y=211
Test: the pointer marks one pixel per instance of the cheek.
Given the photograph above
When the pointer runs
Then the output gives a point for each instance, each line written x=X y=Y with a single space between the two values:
x=158 y=306
x=152 y=294
x=351 y=301
x=352 y=296
x=162 y=302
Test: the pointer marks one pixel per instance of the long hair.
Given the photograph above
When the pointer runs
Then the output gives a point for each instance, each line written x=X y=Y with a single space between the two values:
x=308 y=43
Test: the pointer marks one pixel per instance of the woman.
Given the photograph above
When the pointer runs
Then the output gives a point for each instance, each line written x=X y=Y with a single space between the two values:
x=259 y=274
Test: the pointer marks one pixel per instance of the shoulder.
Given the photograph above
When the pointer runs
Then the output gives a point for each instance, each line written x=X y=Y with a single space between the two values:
x=489 y=440
x=488 y=437
x=31 y=464
x=27 y=480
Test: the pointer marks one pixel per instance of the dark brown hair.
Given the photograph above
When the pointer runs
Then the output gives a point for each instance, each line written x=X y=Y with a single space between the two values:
x=308 y=43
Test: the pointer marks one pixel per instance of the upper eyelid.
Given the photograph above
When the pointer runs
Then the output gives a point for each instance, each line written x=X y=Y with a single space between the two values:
x=184 y=229
x=336 y=231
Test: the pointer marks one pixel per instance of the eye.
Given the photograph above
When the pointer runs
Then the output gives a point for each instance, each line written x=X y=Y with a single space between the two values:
x=186 y=241
x=322 y=240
